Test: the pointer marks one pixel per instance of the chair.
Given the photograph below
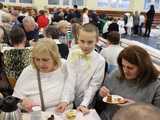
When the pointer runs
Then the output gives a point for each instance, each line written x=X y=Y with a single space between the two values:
x=15 y=61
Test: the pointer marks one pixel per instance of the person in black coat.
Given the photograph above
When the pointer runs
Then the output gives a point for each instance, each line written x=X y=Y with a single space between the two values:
x=150 y=16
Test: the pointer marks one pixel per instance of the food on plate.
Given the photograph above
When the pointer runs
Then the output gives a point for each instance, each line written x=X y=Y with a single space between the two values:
x=71 y=115
x=109 y=98
x=115 y=99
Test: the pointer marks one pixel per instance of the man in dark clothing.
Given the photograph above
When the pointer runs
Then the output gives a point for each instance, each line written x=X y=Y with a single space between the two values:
x=77 y=14
x=31 y=29
x=150 y=16
x=94 y=18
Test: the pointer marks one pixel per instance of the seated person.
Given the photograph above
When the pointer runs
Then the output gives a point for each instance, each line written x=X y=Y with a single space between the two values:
x=113 y=26
x=136 y=80
x=5 y=87
x=87 y=70
x=111 y=52
x=138 y=111
x=3 y=38
x=52 y=32
x=31 y=29
x=52 y=73
x=16 y=58
x=63 y=28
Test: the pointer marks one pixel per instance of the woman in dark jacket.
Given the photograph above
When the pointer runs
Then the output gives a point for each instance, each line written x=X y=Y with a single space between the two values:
x=150 y=16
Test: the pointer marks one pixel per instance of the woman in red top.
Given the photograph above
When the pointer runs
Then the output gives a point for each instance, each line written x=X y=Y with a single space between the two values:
x=42 y=20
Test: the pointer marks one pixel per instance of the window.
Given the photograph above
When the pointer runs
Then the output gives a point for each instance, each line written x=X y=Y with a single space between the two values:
x=12 y=1
x=53 y=2
x=25 y=1
x=123 y=4
x=156 y=4
x=17 y=1
x=2 y=0
x=78 y=2
x=103 y=3
x=66 y=2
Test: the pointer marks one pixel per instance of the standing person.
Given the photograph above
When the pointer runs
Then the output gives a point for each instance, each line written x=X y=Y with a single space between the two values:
x=136 y=20
x=130 y=24
x=76 y=14
x=85 y=17
x=150 y=16
x=136 y=80
x=87 y=68
x=141 y=23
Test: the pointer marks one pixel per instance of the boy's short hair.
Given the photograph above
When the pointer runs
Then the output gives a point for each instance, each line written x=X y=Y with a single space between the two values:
x=114 y=37
x=138 y=111
x=17 y=35
x=89 y=27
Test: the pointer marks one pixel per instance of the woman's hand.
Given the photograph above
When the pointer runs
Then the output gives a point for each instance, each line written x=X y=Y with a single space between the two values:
x=83 y=109
x=104 y=91
x=62 y=107
x=27 y=104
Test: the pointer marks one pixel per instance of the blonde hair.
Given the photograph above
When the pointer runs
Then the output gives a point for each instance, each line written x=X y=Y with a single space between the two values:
x=63 y=23
x=6 y=18
x=46 y=46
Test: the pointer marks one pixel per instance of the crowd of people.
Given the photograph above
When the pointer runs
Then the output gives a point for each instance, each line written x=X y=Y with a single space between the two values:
x=58 y=63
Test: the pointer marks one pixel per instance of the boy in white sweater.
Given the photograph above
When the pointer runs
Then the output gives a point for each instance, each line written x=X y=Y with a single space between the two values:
x=86 y=69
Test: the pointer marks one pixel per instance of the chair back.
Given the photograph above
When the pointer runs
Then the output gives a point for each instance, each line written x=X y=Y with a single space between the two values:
x=16 y=60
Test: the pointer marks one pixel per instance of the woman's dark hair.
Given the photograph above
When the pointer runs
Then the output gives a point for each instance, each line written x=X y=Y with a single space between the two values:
x=17 y=35
x=139 y=57
x=52 y=31
x=114 y=37
x=84 y=10
x=42 y=12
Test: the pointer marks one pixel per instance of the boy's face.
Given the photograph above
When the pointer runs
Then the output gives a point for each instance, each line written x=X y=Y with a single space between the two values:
x=87 y=41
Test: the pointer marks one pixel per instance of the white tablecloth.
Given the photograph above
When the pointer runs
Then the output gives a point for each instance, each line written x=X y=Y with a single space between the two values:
x=92 y=115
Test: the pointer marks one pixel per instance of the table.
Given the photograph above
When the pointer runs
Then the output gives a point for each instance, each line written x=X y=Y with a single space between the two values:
x=92 y=115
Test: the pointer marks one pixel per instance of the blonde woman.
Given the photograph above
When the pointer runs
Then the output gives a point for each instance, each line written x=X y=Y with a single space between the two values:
x=52 y=72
